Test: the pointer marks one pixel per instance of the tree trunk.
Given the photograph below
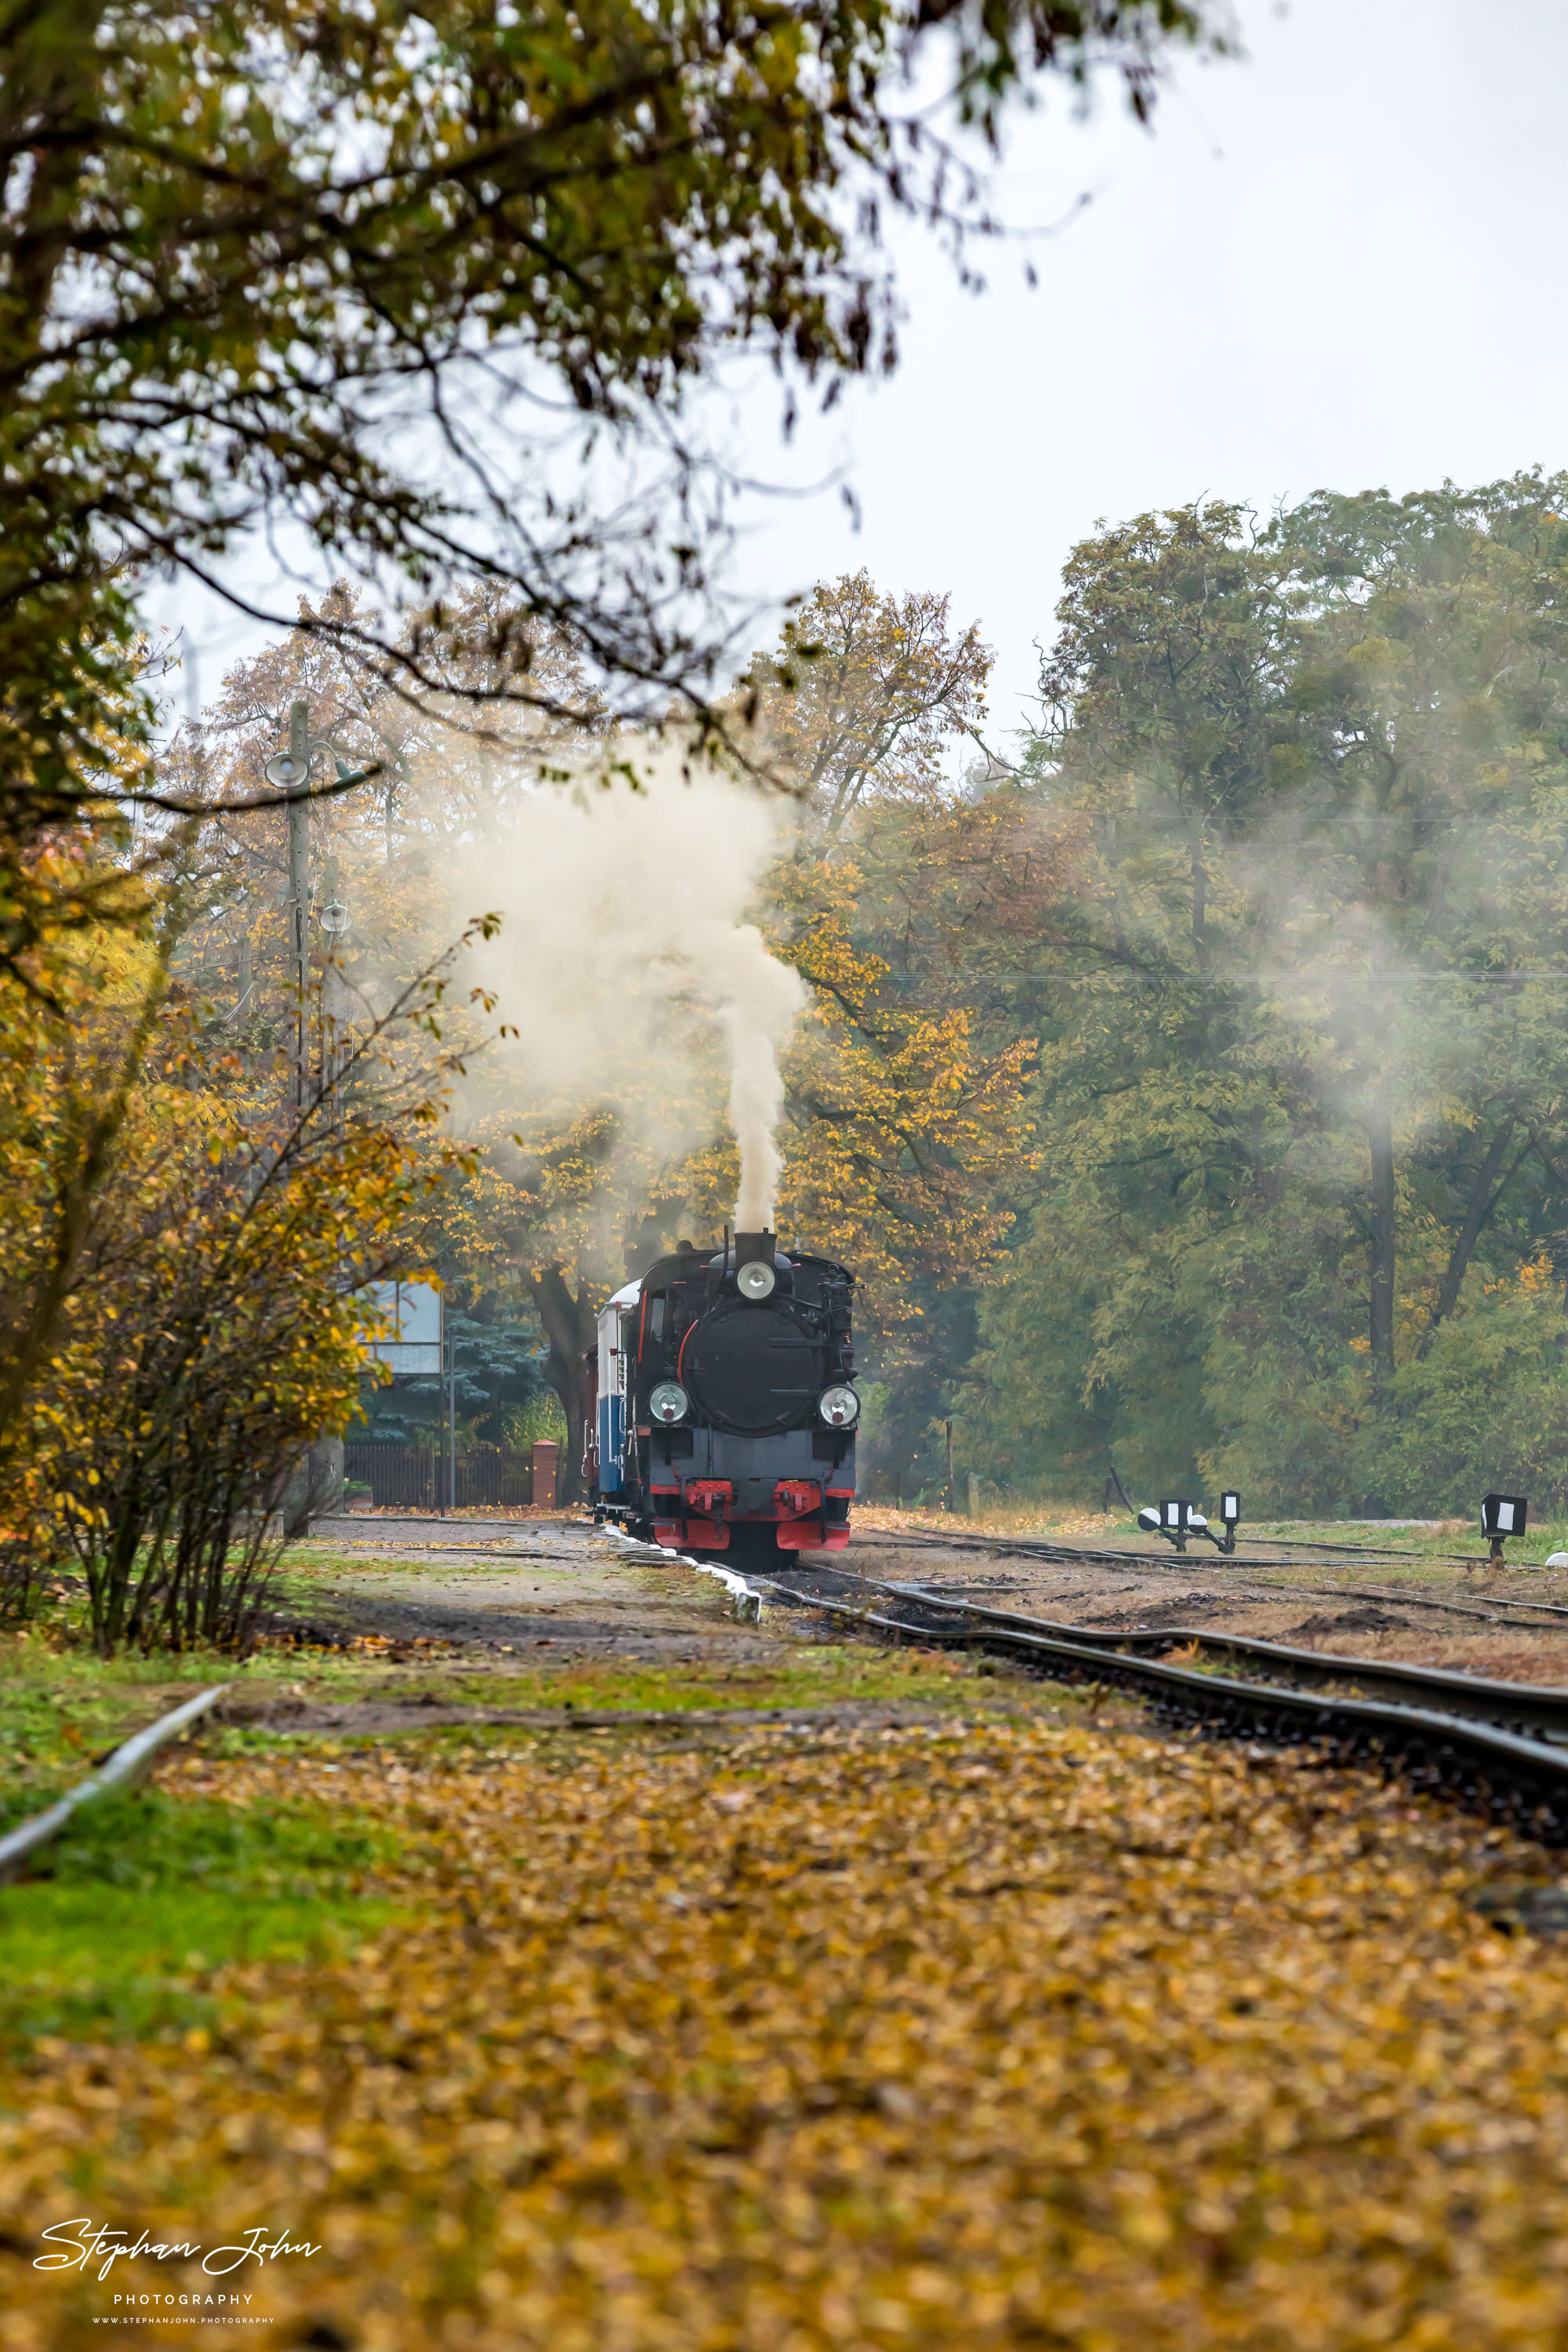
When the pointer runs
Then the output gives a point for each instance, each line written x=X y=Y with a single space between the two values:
x=1478 y=1208
x=570 y=1325
x=1200 y=902
x=1380 y=1250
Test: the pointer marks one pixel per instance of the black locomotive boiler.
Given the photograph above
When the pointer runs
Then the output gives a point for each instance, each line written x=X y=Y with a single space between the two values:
x=725 y=1416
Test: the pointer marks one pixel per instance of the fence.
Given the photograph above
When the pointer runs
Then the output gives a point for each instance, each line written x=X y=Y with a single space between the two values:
x=415 y=1478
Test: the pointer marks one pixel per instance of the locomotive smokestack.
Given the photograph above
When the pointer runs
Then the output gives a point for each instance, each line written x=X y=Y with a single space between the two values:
x=754 y=1248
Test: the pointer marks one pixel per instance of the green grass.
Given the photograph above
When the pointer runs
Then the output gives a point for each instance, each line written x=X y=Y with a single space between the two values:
x=60 y=1706
x=305 y=1564
x=144 y=1840
x=799 y=1676
x=145 y=1894
x=828 y=1677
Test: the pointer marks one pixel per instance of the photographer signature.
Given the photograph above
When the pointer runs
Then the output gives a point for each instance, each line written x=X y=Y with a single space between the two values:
x=81 y=2242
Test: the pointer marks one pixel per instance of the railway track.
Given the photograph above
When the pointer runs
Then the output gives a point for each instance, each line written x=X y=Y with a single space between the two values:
x=1524 y=1708
x=1053 y=1548
x=1551 y=1617
x=1499 y=1748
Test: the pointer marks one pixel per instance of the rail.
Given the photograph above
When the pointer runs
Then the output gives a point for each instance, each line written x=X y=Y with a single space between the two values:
x=1241 y=1575
x=1513 y=1705
x=126 y=1764
x=1507 y=1774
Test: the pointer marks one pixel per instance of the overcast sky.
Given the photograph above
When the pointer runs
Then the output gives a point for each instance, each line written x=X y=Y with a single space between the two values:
x=1338 y=261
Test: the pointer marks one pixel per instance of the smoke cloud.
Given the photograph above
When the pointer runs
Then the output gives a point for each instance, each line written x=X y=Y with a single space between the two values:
x=624 y=957
x=759 y=999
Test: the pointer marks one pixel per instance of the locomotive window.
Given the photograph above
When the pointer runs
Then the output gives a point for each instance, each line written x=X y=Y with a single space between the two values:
x=656 y=1316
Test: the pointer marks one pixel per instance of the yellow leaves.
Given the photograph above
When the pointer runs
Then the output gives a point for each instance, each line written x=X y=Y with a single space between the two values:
x=207 y=1241
x=910 y=1135
x=1025 y=2036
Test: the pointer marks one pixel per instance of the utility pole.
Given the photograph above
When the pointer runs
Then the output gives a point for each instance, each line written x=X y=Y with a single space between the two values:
x=293 y=772
x=298 y=757
x=290 y=772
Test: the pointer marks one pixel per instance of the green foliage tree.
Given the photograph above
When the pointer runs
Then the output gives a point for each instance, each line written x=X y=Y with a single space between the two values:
x=1302 y=1104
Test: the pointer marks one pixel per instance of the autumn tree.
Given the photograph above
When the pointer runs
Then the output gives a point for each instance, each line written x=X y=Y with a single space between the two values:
x=318 y=274
x=212 y=1315
x=864 y=695
x=912 y=868
x=518 y=1233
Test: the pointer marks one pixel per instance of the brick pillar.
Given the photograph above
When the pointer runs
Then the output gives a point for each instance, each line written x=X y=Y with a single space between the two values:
x=546 y=1454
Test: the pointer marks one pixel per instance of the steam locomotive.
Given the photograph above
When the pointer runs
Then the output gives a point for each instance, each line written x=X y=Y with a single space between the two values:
x=724 y=1417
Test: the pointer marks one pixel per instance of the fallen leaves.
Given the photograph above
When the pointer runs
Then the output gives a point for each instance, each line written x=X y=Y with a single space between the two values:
x=1031 y=2037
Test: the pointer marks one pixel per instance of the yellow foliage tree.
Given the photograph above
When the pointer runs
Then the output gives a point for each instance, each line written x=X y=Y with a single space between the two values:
x=205 y=1255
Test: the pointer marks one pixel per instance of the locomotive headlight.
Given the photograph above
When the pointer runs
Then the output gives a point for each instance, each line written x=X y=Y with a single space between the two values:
x=755 y=1280
x=839 y=1408
x=669 y=1403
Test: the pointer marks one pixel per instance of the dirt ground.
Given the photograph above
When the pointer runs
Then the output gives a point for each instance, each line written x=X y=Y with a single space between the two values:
x=494 y=1587
x=555 y=1623
x=557 y=1590
x=1424 y=1609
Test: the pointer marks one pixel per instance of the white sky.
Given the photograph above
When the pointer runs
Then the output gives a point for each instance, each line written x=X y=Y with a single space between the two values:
x=1338 y=262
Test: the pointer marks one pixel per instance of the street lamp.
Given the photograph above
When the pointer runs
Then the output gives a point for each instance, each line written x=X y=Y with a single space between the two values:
x=291 y=770
x=334 y=919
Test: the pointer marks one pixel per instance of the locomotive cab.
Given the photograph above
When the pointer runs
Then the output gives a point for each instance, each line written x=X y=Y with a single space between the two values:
x=726 y=1416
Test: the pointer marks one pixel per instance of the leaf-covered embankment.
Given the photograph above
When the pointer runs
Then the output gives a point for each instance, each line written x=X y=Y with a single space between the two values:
x=1034 y=2036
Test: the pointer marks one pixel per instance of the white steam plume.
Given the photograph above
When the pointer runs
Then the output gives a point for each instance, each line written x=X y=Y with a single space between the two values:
x=619 y=908
x=759 y=999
